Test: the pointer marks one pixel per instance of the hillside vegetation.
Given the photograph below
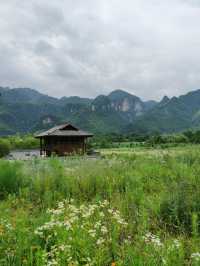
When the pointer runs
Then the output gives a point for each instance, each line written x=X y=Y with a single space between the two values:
x=24 y=110
x=125 y=209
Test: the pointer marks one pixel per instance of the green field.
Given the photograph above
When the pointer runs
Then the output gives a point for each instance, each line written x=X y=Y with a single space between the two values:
x=144 y=150
x=131 y=207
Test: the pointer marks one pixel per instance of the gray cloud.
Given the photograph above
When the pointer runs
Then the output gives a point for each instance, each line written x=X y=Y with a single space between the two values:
x=147 y=47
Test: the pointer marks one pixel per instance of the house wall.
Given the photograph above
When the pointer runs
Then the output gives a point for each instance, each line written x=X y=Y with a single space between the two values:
x=64 y=145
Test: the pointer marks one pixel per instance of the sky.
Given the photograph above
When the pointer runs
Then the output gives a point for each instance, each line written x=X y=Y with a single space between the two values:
x=149 y=48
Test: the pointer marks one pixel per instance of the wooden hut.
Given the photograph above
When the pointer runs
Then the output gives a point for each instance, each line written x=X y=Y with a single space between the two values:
x=63 y=140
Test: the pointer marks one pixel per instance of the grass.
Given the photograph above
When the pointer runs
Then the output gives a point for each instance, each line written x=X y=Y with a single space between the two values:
x=129 y=208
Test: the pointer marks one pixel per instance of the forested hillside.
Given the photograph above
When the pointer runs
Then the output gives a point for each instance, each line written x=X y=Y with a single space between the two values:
x=24 y=110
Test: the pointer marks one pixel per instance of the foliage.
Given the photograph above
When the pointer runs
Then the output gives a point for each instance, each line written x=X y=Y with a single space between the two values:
x=23 y=142
x=25 y=111
x=193 y=136
x=138 y=208
x=113 y=140
x=4 y=147
x=17 y=142
x=98 y=225
x=11 y=178
x=167 y=139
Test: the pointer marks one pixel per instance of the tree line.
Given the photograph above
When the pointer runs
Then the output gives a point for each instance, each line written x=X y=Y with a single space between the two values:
x=114 y=140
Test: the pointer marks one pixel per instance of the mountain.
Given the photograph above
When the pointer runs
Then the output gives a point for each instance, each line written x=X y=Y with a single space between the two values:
x=171 y=115
x=25 y=95
x=150 y=104
x=24 y=110
x=164 y=101
x=128 y=104
x=75 y=100
x=125 y=105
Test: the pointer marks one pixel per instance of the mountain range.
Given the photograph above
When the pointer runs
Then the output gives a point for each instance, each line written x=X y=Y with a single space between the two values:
x=24 y=110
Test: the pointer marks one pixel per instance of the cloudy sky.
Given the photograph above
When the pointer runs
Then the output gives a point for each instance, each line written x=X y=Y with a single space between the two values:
x=150 y=48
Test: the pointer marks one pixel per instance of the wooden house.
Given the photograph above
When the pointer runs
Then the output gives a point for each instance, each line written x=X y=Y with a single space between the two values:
x=63 y=140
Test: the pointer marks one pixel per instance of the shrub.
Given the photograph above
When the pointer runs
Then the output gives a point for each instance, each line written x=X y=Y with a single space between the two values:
x=11 y=179
x=180 y=208
x=4 y=148
x=23 y=142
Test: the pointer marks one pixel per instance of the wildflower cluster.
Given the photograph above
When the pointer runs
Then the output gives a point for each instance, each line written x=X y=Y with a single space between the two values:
x=5 y=227
x=76 y=234
x=195 y=256
x=175 y=245
x=153 y=239
x=7 y=237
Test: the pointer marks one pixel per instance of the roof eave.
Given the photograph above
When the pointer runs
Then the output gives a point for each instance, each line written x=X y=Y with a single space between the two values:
x=41 y=136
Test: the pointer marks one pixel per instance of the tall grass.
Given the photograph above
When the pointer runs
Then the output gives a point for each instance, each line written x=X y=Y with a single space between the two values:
x=11 y=178
x=147 y=209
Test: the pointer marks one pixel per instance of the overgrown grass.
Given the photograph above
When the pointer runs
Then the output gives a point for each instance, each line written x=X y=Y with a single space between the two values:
x=125 y=209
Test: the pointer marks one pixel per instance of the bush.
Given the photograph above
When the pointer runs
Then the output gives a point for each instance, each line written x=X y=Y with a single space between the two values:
x=166 y=141
x=11 y=178
x=179 y=209
x=23 y=142
x=4 y=148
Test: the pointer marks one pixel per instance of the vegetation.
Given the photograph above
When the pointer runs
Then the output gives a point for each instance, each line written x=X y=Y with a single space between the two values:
x=24 y=111
x=126 y=209
x=4 y=148
x=145 y=140
x=18 y=142
x=23 y=142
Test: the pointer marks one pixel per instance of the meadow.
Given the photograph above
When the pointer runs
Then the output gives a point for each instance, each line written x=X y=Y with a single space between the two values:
x=130 y=207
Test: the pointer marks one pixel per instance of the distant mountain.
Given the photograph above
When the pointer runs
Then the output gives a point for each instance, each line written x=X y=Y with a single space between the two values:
x=24 y=110
x=127 y=104
x=25 y=95
x=150 y=104
x=165 y=100
x=75 y=100
x=171 y=115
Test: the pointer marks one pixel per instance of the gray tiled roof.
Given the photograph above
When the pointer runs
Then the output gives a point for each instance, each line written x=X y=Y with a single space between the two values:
x=60 y=131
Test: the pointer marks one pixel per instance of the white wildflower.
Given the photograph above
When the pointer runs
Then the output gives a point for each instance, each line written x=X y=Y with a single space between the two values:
x=67 y=225
x=52 y=262
x=110 y=211
x=88 y=259
x=62 y=247
x=100 y=241
x=92 y=233
x=69 y=259
x=104 y=230
x=61 y=205
x=195 y=256
x=104 y=203
x=101 y=214
x=155 y=240
x=176 y=244
x=97 y=225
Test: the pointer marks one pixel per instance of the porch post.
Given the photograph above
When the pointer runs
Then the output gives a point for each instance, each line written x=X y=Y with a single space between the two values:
x=40 y=146
x=85 y=145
